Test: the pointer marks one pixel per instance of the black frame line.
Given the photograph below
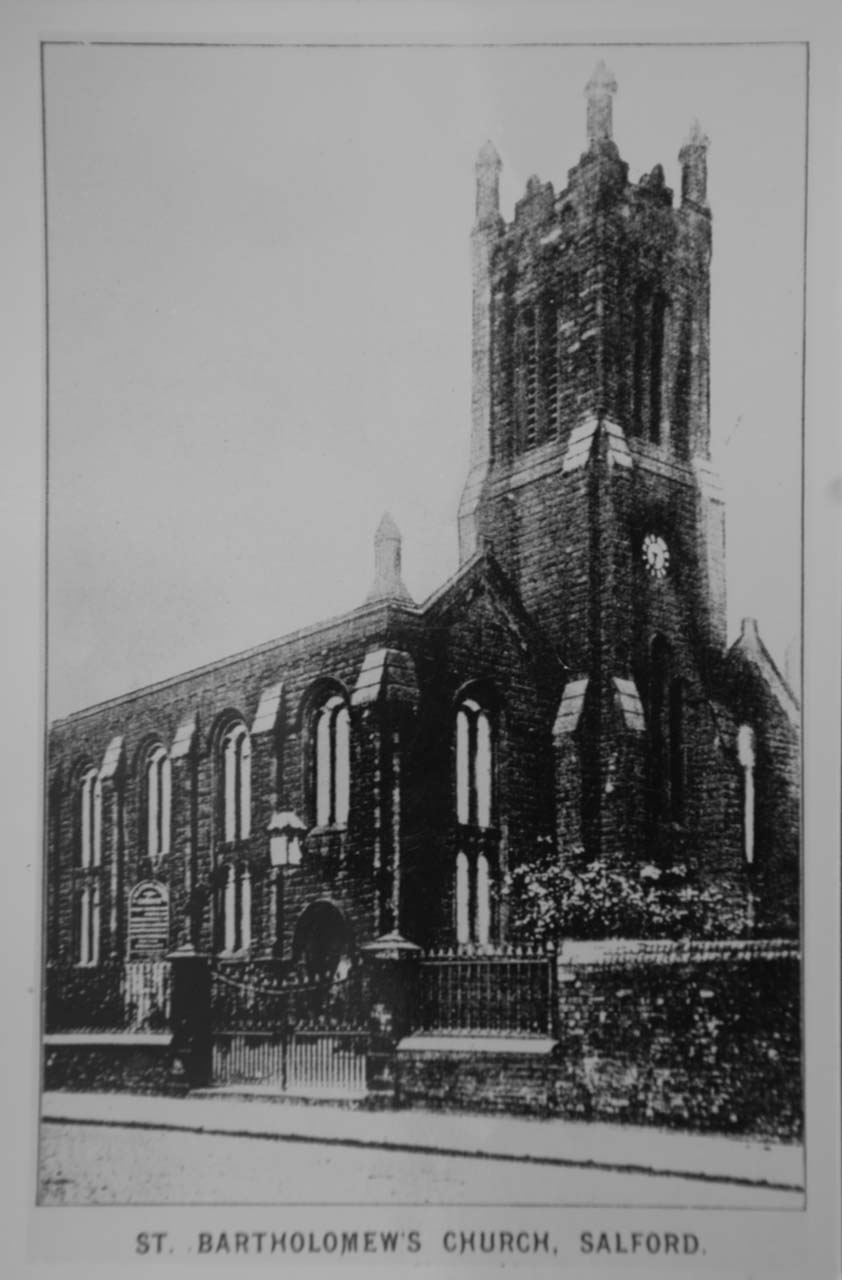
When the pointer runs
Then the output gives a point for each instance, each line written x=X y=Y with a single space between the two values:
x=456 y=45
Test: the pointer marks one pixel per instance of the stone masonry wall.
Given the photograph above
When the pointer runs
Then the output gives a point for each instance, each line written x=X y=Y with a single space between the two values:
x=696 y=1036
x=517 y=1084
x=133 y=1064
x=700 y=1036
x=475 y=635
x=216 y=695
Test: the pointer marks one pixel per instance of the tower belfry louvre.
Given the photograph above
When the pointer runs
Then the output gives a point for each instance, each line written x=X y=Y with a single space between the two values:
x=570 y=684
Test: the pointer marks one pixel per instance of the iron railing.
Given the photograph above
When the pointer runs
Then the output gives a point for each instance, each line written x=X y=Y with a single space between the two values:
x=287 y=1032
x=506 y=990
x=146 y=994
x=310 y=1061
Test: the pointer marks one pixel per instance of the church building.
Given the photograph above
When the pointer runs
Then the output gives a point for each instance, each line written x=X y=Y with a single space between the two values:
x=570 y=684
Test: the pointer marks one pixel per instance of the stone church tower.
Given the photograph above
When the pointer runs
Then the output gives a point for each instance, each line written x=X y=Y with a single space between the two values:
x=590 y=480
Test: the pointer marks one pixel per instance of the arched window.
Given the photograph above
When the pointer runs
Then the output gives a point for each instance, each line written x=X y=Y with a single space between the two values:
x=527 y=377
x=86 y=924
x=659 y=723
x=236 y=909
x=650 y=312
x=656 y=366
x=549 y=363
x=473 y=909
x=483 y=916
x=640 y=382
x=678 y=749
x=746 y=754
x=474 y=765
x=680 y=418
x=90 y=820
x=332 y=762
x=667 y=716
x=158 y=787
x=463 y=904
x=236 y=784
x=475 y=810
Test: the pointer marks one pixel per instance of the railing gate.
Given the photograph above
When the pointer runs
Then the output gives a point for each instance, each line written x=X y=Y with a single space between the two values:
x=287 y=1036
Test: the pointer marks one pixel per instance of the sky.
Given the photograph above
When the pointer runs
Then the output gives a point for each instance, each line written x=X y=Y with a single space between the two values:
x=259 y=322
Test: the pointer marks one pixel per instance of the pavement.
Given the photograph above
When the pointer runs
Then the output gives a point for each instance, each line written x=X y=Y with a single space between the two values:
x=258 y=1113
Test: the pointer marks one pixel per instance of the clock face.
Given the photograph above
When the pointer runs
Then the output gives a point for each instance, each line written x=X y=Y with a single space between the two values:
x=656 y=555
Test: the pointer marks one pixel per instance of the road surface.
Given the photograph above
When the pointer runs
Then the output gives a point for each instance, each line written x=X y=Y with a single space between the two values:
x=106 y=1164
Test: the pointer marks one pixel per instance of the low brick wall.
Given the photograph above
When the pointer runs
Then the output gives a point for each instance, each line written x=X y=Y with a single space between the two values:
x=702 y=1035
x=475 y=1073
x=118 y=1063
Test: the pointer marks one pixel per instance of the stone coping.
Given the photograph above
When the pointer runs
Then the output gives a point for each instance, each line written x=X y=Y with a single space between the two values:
x=123 y=1039
x=532 y=1046
x=608 y=951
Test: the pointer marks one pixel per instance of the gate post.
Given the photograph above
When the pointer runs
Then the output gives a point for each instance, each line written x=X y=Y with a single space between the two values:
x=553 y=1012
x=190 y=1016
x=391 y=970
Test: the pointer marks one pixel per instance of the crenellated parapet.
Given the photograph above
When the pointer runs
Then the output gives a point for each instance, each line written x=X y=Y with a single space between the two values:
x=591 y=301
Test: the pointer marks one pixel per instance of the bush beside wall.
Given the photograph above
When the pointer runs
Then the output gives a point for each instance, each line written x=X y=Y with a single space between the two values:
x=80 y=998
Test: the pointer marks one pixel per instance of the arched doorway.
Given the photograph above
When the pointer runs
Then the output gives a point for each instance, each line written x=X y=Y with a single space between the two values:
x=323 y=942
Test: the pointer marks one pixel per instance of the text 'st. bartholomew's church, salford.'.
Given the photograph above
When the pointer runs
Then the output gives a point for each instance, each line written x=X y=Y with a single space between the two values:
x=571 y=682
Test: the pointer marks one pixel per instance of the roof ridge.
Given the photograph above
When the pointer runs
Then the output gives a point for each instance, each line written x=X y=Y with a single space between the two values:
x=372 y=607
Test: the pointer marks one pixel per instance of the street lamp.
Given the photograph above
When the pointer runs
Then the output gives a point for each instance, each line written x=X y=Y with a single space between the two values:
x=286 y=834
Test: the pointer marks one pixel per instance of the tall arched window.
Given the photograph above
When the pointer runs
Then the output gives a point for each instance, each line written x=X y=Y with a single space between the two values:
x=158 y=808
x=236 y=909
x=236 y=784
x=549 y=363
x=656 y=366
x=332 y=762
x=678 y=749
x=650 y=314
x=473 y=909
x=668 y=735
x=680 y=417
x=659 y=669
x=474 y=765
x=746 y=753
x=475 y=809
x=527 y=377
x=463 y=900
x=483 y=908
x=90 y=820
x=640 y=340
x=86 y=924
